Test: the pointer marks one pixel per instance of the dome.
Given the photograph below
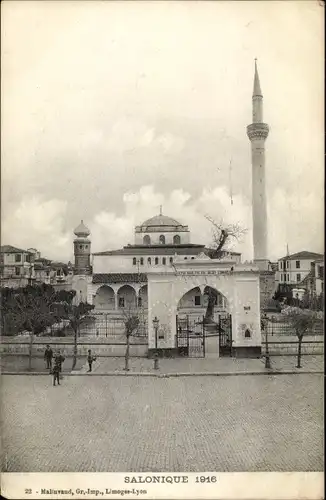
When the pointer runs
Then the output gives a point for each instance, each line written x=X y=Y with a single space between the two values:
x=82 y=230
x=160 y=221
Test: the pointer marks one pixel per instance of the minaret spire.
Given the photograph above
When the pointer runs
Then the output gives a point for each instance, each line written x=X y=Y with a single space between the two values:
x=257 y=90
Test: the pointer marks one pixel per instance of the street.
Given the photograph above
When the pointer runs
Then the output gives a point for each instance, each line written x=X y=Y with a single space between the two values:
x=237 y=423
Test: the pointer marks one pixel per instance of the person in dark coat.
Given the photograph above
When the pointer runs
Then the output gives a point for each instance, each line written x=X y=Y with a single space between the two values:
x=90 y=359
x=48 y=355
x=58 y=360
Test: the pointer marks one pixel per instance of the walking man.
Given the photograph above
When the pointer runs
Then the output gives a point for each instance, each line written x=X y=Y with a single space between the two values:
x=48 y=355
x=90 y=359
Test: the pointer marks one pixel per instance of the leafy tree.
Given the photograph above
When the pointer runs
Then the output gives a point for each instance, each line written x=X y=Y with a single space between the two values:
x=28 y=308
x=302 y=321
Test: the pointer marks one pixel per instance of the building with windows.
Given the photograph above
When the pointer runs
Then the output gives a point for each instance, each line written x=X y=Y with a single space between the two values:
x=20 y=267
x=118 y=277
x=166 y=276
x=15 y=266
x=293 y=269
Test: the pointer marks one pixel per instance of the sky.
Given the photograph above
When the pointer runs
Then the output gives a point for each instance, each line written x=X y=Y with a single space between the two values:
x=111 y=109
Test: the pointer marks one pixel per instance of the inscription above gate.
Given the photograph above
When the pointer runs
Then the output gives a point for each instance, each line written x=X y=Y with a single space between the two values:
x=192 y=273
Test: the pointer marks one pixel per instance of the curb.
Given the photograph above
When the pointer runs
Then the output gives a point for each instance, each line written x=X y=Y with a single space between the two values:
x=169 y=375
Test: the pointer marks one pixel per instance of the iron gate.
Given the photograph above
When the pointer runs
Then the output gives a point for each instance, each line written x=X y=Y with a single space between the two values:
x=225 y=334
x=190 y=337
x=193 y=332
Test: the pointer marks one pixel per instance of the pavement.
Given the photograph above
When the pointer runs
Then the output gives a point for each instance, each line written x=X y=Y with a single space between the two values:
x=120 y=424
x=113 y=366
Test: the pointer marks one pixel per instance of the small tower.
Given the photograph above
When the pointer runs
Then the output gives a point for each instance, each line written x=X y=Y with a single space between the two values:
x=82 y=250
x=257 y=133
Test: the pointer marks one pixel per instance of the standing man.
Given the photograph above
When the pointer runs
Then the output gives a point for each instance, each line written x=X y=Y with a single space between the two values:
x=58 y=360
x=90 y=359
x=48 y=355
x=57 y=367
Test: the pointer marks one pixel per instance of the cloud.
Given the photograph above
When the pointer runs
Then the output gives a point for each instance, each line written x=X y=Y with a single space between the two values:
x=38 y=223
x=43 y=223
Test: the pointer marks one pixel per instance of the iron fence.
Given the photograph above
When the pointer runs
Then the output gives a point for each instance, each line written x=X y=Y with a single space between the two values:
x=290 y=348
x=279 y=326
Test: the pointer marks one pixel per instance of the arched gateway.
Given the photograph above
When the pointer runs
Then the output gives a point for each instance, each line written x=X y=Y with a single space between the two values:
x=209 y=298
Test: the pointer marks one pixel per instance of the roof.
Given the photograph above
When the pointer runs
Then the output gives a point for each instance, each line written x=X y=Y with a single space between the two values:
x=160 y=221
x=82 y=230
x=304 y=255
x=120 y=278
x=134 y=250
x=11 y=249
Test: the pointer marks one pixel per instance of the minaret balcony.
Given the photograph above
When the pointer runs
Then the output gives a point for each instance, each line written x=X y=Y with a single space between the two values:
x=257 y=131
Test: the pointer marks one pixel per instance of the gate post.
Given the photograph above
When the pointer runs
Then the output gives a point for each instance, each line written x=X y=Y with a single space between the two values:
x=187 y=335
x=203 y=336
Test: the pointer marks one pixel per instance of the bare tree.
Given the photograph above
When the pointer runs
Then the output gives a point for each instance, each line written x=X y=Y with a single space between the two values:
x=222 y=235
x=76 y=315
x=131 y=319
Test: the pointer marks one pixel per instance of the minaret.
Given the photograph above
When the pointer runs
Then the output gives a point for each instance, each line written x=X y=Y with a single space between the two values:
x=257 y=133
x=82 y=250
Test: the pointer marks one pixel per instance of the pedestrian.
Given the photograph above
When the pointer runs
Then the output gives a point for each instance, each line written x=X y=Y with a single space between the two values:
x=90 y=359
x=58 y=360
x=48 y=355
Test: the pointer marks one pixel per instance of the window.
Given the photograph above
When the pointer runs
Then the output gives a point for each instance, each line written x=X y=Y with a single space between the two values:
x=134 y=261
x=171 y=260
x=27 y=258
x=280 y=265
x=287 y=264
x=284 y=277
x=297 y=264
x=146 y=240
x=176 y=239
x=288 y=277
x=197 y=300
x=139 y=302
x=149 y=261
x=58 y=272
x=284 y=265
x=320 y=272
x=162 y=239
x=141 y=261
x=185 y=258
x=247 y=334
x=81 y=247
x=18 y=257
x=156 y=261
x=164 y=261
x=86 y=246
x=17 y=271
x=299 y=277
x=121 y=301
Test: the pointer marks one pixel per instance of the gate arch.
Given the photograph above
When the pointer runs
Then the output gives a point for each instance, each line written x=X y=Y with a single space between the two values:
x=104 y=298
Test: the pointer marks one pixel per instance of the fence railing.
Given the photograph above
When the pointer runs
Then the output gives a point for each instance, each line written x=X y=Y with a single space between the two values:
x=290 y=348
x=277 y=326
